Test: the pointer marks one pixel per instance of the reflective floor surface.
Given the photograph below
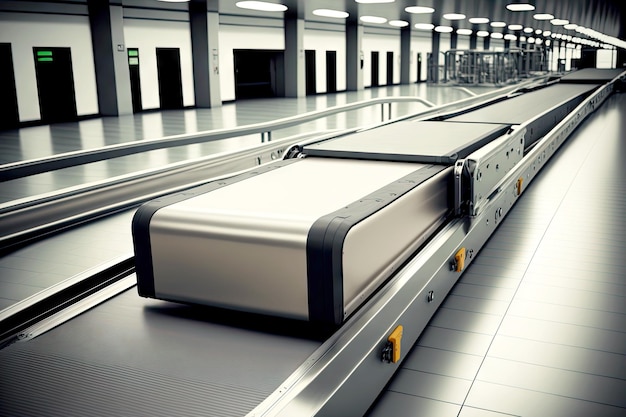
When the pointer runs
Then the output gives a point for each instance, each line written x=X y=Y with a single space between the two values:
x=537 y=324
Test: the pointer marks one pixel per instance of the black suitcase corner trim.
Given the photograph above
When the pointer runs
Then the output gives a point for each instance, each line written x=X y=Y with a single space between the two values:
x=325 y=241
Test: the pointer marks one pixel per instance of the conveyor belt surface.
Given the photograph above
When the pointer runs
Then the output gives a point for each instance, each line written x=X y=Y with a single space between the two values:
x=591 y=75
x=539 y=106
x=425 y=142
x=134 y=356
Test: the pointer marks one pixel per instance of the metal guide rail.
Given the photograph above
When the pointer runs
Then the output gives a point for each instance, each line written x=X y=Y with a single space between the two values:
x=224 y=362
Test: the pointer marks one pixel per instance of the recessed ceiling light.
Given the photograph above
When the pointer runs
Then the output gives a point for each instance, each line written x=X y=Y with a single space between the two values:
x=571 y=26
x=374 y=1
x=559 y=22
x=543 y=16
x=399 y=23
x=424 y=26
x=546 y=33
x=443 y=29
x=510 y=37
x=520 y=7
x=482 y=33
x=522 y=38
x=531 y=40
x=538 y=41
x=464 y=32
x=528 y=30
x=498 y=24
x=516 y=27
x=262 y=6
x=373 y=19
x=174 y=1
x=478 y=20
x=419 y=9
x=538 y=32
x=454 y=16
x=497 y=35
x=330 y=13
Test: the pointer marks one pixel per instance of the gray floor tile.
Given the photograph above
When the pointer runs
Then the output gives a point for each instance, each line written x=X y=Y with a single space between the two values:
x=402 y=405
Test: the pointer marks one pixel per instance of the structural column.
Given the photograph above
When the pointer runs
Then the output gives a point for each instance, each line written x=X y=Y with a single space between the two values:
x=433 y=66
x=405 y=55
x=295 y=83
x=110 y=59
x=204 y=26
x=354 y=53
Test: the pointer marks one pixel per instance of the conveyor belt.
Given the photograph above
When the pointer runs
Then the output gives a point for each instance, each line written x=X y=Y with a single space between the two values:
x=544 y=107
x=146 y=357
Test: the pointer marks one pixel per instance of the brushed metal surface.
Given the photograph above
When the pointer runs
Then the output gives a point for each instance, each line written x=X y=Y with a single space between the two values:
x=244 y=246
x=376 y=247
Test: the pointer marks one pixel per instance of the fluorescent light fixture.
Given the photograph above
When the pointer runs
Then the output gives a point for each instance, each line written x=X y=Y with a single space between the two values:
x=261 y=6
x=559 y=22
x=466 y=32
x=374 y=1
x=399 y=23
x=543 y=16
x=516 y=27
x=546 y=33
x=520 y=7
x=498 y=24
x=482 y=33
x=424 y=26
x=338 y=14
x=510 y=37
x=419 y=9
x=571 y=26
x=528 y=30
x=454 y=16
x=443 y=29
x=497 y=35
x=174 y=1
x=478 y=20
x=373 y=19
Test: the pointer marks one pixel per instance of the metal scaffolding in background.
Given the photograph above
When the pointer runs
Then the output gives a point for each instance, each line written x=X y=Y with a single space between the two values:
x=472 y=67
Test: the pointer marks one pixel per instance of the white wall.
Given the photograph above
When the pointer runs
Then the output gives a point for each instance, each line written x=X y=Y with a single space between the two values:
x=420 y=42
x=322 y=41
x=382 y=44
x=147 y=35
x=25 y=31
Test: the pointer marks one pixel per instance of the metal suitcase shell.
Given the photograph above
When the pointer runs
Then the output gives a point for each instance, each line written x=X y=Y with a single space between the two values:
x=308 y=238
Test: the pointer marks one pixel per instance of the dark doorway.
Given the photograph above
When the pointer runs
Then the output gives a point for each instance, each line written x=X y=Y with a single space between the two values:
x=419 y=67
x=259 y=73
x=170 y=84
x=55 y=84
x=389 y=68
x=9 y=115
x=135 y=85
x=331 y=71
x=309 y=64
x=375 y=66
x=588 y=59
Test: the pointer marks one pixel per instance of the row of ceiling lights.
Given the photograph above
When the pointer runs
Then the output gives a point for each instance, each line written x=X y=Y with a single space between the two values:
x=601 y=40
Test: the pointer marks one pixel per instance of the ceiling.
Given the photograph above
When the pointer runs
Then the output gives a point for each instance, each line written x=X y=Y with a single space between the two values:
x=604 y=16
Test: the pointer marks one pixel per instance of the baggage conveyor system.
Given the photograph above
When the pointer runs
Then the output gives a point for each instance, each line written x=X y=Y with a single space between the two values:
x=296 y=288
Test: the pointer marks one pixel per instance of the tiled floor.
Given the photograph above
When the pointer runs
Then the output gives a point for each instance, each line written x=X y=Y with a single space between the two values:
x=27 y=271
x=537 y=324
